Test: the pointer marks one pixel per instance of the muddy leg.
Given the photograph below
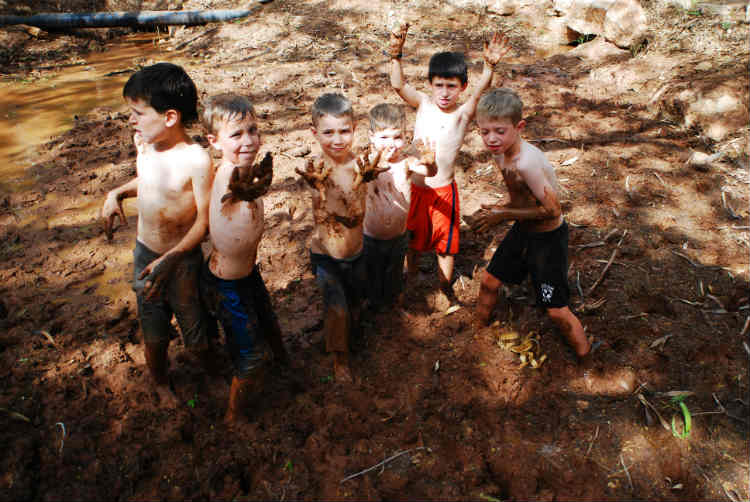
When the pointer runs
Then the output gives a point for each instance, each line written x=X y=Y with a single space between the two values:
x=571 y=329
x=240 y=393
x=445 y=297
x=487 y=298
x=158 y=363
x=336 y=327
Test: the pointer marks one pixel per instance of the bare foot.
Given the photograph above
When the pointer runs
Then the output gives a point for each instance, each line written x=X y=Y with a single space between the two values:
x=341 y=371
x=167 y=398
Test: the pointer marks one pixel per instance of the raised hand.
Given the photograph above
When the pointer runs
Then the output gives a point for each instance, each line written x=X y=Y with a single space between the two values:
x=426 y=153
x=496 y=48
x=315 y=173
x=367 y=168
x=396 y=42
x=249 y=183
x=112 y=209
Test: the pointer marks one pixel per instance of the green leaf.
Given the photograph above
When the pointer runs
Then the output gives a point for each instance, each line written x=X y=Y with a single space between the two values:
x=191 y=403
x=688 y=422
x=289 y=466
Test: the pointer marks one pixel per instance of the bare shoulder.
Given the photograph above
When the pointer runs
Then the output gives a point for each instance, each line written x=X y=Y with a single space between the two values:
x=532 y=158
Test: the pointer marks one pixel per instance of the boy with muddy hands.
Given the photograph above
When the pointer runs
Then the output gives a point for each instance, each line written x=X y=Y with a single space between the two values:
x=537 y=243
x=231 y=285
x=435 y=215
x=172 y=187
x=388 y=200
x=338 y=181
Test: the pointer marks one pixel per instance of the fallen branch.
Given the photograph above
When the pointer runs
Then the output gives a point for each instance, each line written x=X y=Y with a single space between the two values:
x=590 y=245
x=609 y=263
x=663 y=422
x=728 y=208
x=16 y=415
x=625 y=468
x=46 y=335
x=746 y=326
x=724 y=410
x=696 y=265
x=591 y=444
x=389 y=459
x=188 y=42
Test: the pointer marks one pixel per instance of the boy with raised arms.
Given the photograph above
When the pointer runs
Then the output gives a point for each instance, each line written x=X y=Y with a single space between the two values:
x=537 y=243
x=435 y=215
x=231 y=285
x=172 y=186
x=338 y=180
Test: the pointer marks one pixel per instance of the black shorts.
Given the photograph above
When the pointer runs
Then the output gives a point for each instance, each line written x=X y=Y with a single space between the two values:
x=385 y=268
x=341 y=281
x=543 y=255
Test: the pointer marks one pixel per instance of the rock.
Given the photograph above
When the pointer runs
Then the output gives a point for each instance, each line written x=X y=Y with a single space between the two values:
x=683 y=4
x=299 y=151
x=587 y=16
x=702 y=161
x=561 y=7
x=719 y=111
x=599 y=49
x=625 y=23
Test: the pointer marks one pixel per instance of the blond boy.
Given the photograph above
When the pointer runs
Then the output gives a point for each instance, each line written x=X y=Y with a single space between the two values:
x=338 y=180
x=537 y=244
x=172 y=186
x=434 y=217
x=231 y=285
x=388 y=201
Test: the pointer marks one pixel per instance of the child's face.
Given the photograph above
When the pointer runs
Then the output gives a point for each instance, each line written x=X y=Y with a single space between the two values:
x=499 y=134
x=147 y=123
x=335 y=135
x=445 y=92
x=238 y=140
x=390 y=141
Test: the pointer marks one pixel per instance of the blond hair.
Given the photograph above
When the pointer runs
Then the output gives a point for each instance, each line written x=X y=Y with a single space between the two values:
x=387 y=116
x=225 y=107
x=500 y=104
x=332 y=104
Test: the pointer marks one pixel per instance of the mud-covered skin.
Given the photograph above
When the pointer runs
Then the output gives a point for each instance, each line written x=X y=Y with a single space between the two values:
x=249 y=183
x=367 y=167
x=158 y=272
x=315 y=173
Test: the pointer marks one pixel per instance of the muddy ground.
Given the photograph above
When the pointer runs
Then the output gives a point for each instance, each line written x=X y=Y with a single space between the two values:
x=80 y=423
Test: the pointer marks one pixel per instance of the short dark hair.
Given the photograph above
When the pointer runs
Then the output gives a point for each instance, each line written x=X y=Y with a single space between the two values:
x=332 y=104
x=448 y=65
x=225 y=107
x=164 y=86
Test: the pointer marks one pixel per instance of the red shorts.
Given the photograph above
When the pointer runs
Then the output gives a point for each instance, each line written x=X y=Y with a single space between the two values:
x=434 y=217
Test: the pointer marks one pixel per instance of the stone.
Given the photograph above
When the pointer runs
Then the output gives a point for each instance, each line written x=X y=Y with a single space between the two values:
x=719 y=111
x=599 y=50
x=625 y=23
x=587 y=16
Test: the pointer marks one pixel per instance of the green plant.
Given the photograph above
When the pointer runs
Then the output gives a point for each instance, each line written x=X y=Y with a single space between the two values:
x=289 y=467
x=685 y=416
x=326 y=379
x=192 y=402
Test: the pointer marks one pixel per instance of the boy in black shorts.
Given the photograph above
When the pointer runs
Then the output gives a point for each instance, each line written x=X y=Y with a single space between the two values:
x=537 y=244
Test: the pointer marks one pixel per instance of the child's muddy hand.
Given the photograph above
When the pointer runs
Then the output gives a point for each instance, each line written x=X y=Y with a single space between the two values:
x=426 y=152
x=490 y=216
x=249 y=183
x=112 y=209
x=315 y=174
x=396 y=42
x=496 y=48
x=368 y=167
x=158 y=272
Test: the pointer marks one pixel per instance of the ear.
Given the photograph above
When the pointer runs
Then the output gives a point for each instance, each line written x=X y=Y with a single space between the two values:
x=464 y=86
x=521 y=124
x=314 y=131
x=212 y=139
x=171 y=118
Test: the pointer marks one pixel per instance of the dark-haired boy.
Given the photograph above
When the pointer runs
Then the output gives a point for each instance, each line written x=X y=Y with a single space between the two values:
x=434 y=216
x=172 y=187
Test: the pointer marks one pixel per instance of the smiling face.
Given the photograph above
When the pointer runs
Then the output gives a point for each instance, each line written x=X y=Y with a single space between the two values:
x=150 y=125
x=445 y=92
x=335 y=135
x=238 y=139
x=500 y=136
x=390 y=140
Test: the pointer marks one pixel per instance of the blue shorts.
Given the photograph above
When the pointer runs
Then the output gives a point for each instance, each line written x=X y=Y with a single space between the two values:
x=241 y=306
x=179 y=297
x=543 y=255
x=385 y=268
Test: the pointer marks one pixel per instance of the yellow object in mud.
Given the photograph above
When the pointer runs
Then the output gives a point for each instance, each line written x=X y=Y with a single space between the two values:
x=525 y=348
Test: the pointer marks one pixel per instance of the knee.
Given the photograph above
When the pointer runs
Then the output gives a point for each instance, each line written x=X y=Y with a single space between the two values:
x=559 y=316
x=489 y=283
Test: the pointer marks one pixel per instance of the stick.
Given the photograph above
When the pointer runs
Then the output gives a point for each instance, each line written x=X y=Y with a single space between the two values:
x=660 y=180
x=591 y=444
x=389 y=459
x=46 y=335
x=746 y=326
x=727 y=207
x=696 y=265
x=609 y=263
x=625 y=468
x=610 y=234
x=62 y=441
x=188 y=42
x=590 y=245
x=580 y=291
x=16 y=415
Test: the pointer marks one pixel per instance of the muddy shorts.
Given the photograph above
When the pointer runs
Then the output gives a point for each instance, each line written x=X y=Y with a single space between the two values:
x=434 y=218
x=384 y=260
x=241 y=306
x=179 y=297
x=543 y=255
x=341 y=281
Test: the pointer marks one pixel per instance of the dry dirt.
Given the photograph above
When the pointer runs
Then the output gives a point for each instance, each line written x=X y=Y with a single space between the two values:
x=670 y=310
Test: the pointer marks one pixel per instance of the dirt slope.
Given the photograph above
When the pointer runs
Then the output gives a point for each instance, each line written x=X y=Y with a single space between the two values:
x=670 y=309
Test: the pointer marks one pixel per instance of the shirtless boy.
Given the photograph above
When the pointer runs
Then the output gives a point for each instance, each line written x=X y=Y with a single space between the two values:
x=172 y=186
x=388 y=199
x=338 y=197
x=434 y=216
x=231 y=285
x=537 y=244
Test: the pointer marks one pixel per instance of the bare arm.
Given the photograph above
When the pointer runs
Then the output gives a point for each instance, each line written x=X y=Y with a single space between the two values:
x=494 y=50
x=112 y=207
x=408 y=93
x=161 y=268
